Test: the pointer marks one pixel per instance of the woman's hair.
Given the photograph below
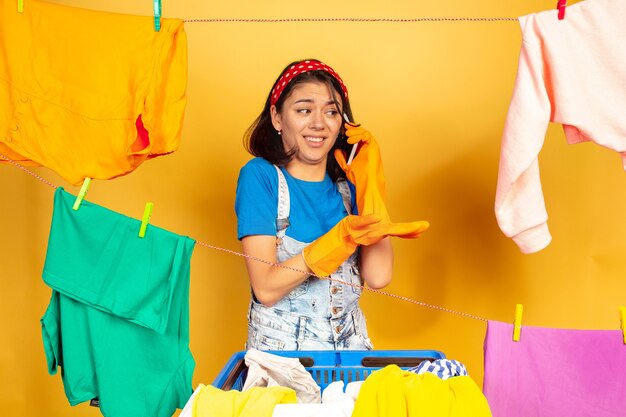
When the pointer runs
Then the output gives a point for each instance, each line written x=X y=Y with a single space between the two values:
x=261 y=139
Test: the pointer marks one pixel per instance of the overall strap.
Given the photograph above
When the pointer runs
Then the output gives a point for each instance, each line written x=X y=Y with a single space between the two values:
x=282 y=217
x=344 y=190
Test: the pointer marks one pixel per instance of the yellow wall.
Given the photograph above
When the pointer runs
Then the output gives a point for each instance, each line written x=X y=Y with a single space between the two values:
x=435 y=94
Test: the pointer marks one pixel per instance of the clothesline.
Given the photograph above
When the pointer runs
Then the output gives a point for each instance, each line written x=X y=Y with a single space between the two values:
x=232 y=252
x=353 y=19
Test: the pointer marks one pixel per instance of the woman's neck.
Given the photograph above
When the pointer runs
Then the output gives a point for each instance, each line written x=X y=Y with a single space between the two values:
x=312 y=173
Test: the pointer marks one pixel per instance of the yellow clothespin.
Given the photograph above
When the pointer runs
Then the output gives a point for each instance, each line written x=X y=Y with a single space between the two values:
x=622 y=316
x=156 y=4
x=20 y=6
x=147 y=212
x=517 y=324
x=82 y=193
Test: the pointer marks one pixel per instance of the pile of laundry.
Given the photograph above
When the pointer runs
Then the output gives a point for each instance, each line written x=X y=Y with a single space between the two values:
x=277 y=386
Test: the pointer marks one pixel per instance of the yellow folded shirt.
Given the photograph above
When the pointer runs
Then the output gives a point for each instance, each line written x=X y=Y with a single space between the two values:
x=254 y=402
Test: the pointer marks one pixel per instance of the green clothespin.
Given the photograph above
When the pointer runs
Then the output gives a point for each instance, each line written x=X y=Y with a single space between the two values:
x=157 y=14
x=82 y=193
x=147 y=212
x=20 y=6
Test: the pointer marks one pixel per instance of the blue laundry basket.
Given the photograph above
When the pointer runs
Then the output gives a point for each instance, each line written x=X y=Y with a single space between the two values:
x=326 y=366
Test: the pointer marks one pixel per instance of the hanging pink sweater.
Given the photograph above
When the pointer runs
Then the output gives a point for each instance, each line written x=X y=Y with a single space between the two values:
x=572 y=72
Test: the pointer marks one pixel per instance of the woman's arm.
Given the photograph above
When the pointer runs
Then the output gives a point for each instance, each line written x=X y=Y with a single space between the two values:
x=271 y=283
x=377 y=264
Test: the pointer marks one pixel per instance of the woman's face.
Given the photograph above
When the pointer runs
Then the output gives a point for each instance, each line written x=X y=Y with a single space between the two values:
x=309 y=122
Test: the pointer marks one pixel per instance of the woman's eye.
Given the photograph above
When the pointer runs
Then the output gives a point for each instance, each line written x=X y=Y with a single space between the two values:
x=304 y=111
x=332 y=112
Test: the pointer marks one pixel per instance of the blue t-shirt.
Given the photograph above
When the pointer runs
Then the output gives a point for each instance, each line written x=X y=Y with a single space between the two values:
x=315 y=206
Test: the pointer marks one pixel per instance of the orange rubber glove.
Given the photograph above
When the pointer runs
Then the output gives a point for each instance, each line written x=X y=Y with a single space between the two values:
x=366 y=173
x=324 y=255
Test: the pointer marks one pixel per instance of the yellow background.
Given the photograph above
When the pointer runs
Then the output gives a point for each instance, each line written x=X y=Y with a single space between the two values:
x=435 y=94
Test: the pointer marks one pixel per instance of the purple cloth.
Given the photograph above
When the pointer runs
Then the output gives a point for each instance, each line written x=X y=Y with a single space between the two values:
x=554 y=372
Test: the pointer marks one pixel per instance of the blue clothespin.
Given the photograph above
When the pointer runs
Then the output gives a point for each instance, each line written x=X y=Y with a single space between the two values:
x=157 y=15
x=20 y=6
x=147 y=212
x=82 y=193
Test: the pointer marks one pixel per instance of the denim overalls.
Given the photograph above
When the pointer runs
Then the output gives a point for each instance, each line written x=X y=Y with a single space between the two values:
x=319 y=314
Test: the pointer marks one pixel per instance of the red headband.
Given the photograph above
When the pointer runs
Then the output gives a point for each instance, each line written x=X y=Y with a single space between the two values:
x=299 y=68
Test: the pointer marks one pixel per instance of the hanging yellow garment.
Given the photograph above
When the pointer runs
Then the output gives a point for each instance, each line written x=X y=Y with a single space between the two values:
x=89 y=93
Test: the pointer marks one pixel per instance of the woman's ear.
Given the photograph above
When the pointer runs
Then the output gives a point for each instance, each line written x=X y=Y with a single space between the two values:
x=276 y=119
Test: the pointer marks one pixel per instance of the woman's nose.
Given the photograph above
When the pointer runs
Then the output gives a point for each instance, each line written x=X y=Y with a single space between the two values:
x=316 y=120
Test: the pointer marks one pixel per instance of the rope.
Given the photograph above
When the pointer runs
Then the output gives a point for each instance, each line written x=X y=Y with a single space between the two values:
x=355 y=19
x=232 y=252
x=398 y=297
x=6 y=158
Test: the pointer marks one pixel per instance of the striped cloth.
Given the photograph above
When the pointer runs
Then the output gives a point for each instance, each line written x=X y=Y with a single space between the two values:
x=443 y=368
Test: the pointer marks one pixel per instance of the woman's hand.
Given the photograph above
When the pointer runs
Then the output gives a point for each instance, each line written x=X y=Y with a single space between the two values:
x=324 y=255
x=366 y=173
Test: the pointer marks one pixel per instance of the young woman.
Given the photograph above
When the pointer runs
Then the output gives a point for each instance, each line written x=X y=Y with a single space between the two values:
x=296 y=209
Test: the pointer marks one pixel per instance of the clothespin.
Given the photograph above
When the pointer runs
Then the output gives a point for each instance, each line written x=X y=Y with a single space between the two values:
x=622 y=316
x=157 y=14
x=147 y=212
x=20 y=6
x=82 y=193
x=560 y=6
x=517 y=324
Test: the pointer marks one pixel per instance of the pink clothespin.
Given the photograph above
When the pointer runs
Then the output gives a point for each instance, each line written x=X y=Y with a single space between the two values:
x=560 y=6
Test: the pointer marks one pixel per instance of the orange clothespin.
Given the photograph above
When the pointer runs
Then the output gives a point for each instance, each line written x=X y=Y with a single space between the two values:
x=622 y=316
x=517 y=324
x=147 y=212
x=20 y=6
x=82 y=193
x=560 y=6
